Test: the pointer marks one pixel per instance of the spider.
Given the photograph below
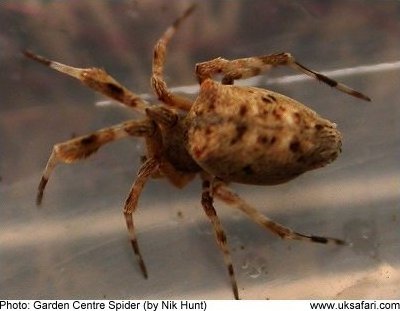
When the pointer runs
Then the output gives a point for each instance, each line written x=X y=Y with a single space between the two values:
x=228 y=134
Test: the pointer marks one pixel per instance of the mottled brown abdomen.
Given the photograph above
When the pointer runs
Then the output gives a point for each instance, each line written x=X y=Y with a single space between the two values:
x=260 y=137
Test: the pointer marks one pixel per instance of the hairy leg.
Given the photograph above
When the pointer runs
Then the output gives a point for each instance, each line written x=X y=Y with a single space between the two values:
x=248 y=67
x=207 y=203
x=145 y=172
x=82 y=147
x=97 y=79
x=222 y=192
x=157 y=79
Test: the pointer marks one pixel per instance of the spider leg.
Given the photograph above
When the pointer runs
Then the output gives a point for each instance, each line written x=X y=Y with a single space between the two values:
x=157 y=79
x=145 y=172
x=248 y=67
x=97 y=79
x=207 y=203
x=83 y=146
x=228 y=196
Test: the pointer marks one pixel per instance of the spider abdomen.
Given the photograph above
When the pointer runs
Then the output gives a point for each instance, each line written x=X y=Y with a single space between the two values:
x=254 y=136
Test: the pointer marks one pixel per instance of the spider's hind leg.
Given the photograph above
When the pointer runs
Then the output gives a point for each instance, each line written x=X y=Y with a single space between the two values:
x=207 y=203
x=243 y=68
x=228 y=196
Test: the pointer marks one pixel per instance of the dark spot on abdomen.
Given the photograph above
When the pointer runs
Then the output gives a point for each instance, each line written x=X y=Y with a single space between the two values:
x=266 y=100
x=242 y=110
x=262 y=139
x=296 y=117
x=241 y=129
x=272 y=97
x=294 y=146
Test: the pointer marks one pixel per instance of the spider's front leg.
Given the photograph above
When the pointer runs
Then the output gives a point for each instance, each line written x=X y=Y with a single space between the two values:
x=97 y=79
x=157 y=79
x=207 y=203
x=84 y=146
x=252 y=66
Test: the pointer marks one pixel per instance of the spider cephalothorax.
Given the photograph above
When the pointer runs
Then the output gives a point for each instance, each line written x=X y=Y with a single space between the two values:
x=228 y=134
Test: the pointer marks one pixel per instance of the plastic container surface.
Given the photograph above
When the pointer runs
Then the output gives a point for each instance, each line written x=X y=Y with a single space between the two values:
x=77 y=246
